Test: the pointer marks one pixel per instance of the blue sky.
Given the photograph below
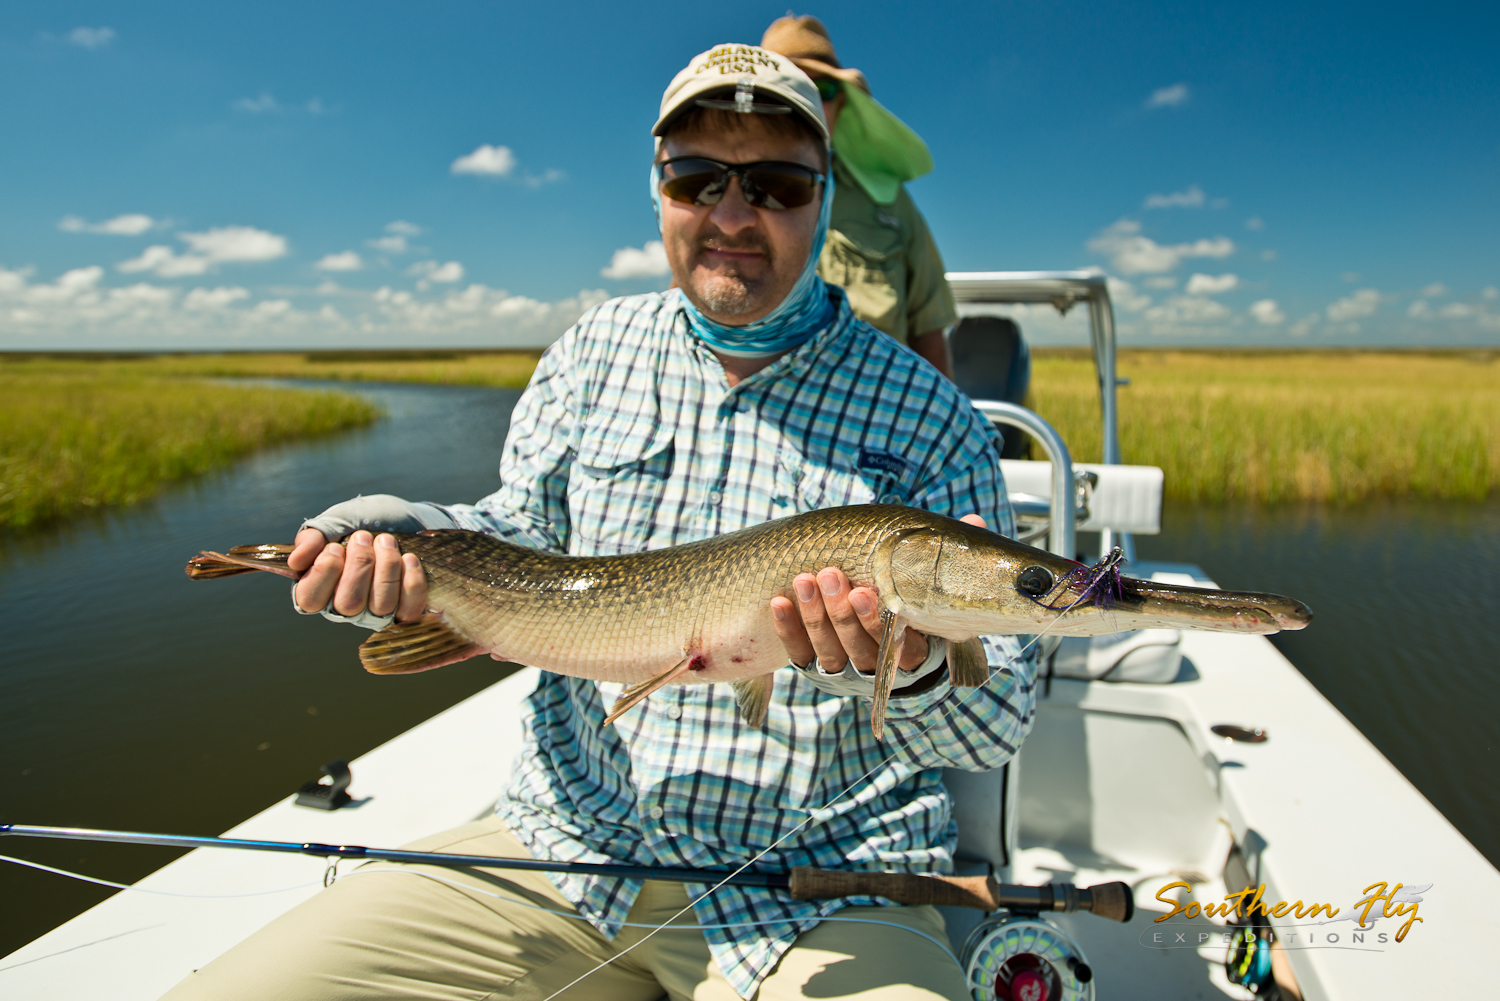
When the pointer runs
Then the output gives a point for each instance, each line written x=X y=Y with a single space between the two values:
x=338 y=174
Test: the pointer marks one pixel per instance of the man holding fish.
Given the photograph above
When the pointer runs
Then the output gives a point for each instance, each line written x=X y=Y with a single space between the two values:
x=747 y=393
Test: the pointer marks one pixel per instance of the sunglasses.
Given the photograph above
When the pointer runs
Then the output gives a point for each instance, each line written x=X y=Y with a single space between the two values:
x=828 y=88
x=770 y=184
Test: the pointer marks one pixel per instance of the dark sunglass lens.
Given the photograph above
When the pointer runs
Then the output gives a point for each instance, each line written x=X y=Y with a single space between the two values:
x=827 y=89
x=693 y=182
x=779 y=186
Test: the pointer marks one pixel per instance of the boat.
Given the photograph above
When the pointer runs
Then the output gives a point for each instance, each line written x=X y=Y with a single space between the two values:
x=1189 y=766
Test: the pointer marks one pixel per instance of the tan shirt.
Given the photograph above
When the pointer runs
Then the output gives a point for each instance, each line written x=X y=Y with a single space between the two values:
x=885 y=258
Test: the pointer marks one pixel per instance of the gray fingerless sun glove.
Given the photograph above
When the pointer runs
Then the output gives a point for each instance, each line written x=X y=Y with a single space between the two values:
x=376 y=513
x=850 y=682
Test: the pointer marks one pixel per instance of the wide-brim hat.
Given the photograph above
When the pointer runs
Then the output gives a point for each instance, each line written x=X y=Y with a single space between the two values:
x=742 y=78
x=805 y=42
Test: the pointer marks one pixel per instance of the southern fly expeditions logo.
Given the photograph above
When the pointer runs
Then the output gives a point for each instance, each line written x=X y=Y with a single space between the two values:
x=1298 y=925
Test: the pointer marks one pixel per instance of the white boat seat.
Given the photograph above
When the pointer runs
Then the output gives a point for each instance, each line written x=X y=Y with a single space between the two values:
x=1125 y=498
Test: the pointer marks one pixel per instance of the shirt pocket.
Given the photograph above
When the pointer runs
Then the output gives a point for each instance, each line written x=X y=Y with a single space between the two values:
x=869 y=262
x=617 y=481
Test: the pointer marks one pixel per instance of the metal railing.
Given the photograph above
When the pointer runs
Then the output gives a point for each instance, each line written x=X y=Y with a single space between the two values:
x=1062 y=537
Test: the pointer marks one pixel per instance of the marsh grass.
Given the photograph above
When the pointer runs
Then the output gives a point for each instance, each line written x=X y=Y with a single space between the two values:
x=89 y=435
x=510 y=369
x=1291 y=426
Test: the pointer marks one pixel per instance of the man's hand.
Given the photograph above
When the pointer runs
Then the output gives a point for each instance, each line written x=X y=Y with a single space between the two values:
x=834 y=622
x=366 y=572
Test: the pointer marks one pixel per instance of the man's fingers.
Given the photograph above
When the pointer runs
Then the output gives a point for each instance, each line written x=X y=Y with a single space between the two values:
x=413 y=589
x=318 y=584
x=353 y=592
x=820 y=632
x=793 y=634
x=866 y=604
x=306 y=548
x=973 y=519
x=852 y=635
x=385 y=582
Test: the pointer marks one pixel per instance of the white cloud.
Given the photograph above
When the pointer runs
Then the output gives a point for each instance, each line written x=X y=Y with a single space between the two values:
x=1435 y=291
x=264 y=104
x=315 y=107
x=1160 y=281
x=207 y=299
x=649 y=261
x=348 y=260
x=1419 y=310
x=224 y=243
x=1491 y=292
x=489 y=161
x=403 y=227
x=1268 y=255
x=1192 y=198
x=432 y=271
x=390 y=244
x=545 y=177
x=162 y=260
x=1131 y=253
x=91 y=38
x=130 y=224
x=1267 y=313
x=1304 y=326
x=237 y=243
x=1201 y=284
x=1168 y=97
x=1255 y=222
x=1182 y=309
x=1352 y=277
x=1352 y=307
x=1456 y=311
x=1124 y=295
x=76 y=310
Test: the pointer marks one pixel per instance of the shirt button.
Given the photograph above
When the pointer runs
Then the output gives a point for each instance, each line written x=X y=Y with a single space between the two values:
x=657 y=813
x=674 y=713
x=714 y=498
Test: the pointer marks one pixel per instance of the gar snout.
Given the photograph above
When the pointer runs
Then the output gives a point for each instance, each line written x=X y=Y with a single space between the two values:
x=1218 y=611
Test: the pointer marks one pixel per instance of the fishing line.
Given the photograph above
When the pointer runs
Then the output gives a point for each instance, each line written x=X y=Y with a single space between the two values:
x=814 y=814
x=142 y=889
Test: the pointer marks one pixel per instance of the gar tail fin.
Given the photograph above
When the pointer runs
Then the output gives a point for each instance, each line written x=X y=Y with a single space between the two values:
x=753 y=695
x=409 y=647
x=635 y=693
x=209 y=565
x=968 y=667
x=886 y=661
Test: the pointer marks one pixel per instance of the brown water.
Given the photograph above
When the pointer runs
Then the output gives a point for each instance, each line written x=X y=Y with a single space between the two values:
x=133 y=698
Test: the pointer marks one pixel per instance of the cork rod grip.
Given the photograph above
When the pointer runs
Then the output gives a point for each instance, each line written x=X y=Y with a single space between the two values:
x=981 y=892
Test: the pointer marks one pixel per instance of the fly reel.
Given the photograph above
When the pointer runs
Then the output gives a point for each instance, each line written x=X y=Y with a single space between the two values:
x=1025 y=958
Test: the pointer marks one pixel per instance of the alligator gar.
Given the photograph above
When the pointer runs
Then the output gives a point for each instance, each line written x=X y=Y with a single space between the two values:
x=700 y=613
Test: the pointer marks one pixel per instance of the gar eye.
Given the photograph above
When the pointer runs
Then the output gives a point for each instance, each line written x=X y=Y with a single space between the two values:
x=1034 y=581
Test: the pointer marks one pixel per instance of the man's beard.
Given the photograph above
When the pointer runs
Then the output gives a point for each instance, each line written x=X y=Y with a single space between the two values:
x=728 y=292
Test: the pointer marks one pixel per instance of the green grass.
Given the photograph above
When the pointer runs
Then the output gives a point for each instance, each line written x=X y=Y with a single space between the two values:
x=455 y=368
x=1264 y=427
x=1269 y=427
x=85 y=435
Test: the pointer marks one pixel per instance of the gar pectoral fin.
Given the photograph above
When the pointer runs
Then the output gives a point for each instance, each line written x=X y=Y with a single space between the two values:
x=752 y=696
x=968 y=667
x=409 y=647
x=886 y=662
x=635 y=693
x=209 y=565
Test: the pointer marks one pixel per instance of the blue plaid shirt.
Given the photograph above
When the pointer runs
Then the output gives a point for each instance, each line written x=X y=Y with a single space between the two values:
x=630 y=438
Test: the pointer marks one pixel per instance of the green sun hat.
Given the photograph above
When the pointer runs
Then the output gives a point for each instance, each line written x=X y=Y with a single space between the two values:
x=877 y=148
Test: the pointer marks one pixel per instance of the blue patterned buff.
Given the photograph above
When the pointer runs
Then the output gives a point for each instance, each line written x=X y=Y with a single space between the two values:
x=804 y=311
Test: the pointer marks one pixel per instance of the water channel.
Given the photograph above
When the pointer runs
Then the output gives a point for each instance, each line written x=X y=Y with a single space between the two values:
x=133 y=698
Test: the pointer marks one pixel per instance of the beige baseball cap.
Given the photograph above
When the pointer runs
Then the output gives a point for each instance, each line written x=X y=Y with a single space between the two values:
x=742 y=78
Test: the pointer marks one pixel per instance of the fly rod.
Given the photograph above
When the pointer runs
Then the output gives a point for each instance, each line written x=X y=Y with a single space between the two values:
x=1108 y=900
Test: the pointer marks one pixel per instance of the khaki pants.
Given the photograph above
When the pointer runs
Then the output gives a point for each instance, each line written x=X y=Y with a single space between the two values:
x=406 y=934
